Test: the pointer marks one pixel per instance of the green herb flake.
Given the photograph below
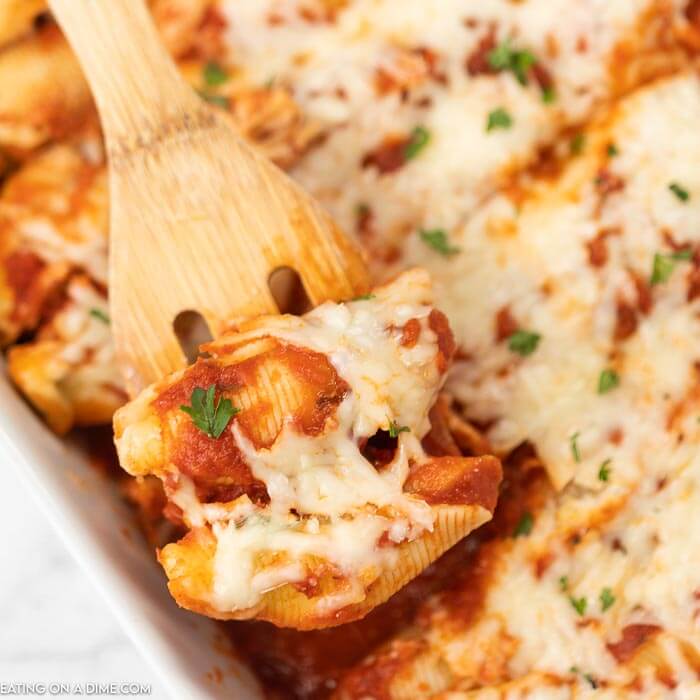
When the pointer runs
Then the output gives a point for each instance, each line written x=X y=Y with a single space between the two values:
x=395 y=429
x=499 y=119
x=662 y=268
x=99 y=315
x=218 y=100
x=579 y=604
x=664 y=264
x=590 y=680
x=573 y=441
x=612 y=150
x=524 y=342
x=364 y=297
x=214 y=74
x=524 y=60
x=577 y=144
x=563 y=583
x=505 y=58
x=211 y=418
x=586 y=676
x=549 y=95
x=682 y=255
x=524 y=526
x=501 y=56
x=417 y=141
x=679 y=191
x=438 y=240
x=608 y=380
x=604 y=471
x=607 y=599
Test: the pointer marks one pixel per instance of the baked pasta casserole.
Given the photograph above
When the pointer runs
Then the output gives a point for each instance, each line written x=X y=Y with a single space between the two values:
x=538 y=161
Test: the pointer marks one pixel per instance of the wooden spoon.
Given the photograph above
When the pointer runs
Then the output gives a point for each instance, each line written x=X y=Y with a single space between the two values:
x=199 y=219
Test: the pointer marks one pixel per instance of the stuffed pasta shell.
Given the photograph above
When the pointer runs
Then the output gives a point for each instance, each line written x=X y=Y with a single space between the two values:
x=294 y=455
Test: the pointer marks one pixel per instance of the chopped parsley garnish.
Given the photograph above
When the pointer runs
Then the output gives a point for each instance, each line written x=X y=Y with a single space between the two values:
x=395 y=429
x=364 y=297
x=499 y=119
x=437 y=239
x=608 y=380
x=563 y=583
x=604 y=471
x=579 y=604
x=662 y=268
x=417 y=141
x=586 y=676
x=218 y=100
x=577 y=144
x=573 y=440
x=665 y=264
x=99 y=315
x=685 y=254
x=214 y=74
x=548 y=95
x=211 y=418
x=612 y=150
x=590 y=680
x=524 y=526
x=607 y=599
x=679 y=191
x=519 y=62
x=524 y=342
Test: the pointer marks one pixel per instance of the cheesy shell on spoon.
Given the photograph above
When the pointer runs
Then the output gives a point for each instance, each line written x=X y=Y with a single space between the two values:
x=292 y=454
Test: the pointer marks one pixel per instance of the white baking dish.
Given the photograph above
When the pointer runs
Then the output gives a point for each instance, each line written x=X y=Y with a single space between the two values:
x=189 y=653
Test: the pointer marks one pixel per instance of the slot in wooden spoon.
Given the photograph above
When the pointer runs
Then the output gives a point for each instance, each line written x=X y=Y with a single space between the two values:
x=199 y=220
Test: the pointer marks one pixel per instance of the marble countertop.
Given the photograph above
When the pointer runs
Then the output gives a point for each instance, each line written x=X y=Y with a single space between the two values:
x=54 y=626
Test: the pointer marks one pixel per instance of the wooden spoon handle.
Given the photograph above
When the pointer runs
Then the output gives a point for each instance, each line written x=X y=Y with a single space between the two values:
x=134 y=81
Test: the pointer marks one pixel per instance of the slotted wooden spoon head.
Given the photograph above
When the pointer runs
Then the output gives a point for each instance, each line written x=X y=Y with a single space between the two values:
x=199 y=220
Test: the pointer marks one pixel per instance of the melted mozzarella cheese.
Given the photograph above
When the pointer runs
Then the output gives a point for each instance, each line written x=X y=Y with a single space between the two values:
x=637 y=527
x=534 y=261
x=326 y=477
x=361 y=338
x=349 y=544
x=332 y=68
x=638 y=531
